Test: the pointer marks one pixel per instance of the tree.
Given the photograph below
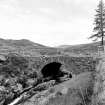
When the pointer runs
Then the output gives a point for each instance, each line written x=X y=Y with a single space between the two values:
x=99 y=23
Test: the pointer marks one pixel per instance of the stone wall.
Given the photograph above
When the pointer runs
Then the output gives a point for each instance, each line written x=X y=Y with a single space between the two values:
x=75 y=65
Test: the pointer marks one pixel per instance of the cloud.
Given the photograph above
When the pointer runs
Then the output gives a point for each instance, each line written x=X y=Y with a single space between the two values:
x=50 y=22
x=55 y=10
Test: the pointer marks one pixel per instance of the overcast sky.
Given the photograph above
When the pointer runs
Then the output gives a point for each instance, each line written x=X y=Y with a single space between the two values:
x=48 y=22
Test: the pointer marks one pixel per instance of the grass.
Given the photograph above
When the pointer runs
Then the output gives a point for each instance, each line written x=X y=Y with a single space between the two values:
x=79 y=91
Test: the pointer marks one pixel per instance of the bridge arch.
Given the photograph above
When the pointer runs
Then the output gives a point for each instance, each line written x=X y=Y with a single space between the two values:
x=54 y=70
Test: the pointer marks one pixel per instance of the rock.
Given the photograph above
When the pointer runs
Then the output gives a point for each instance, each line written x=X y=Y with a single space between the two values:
x=2 y=58
x=64 y=90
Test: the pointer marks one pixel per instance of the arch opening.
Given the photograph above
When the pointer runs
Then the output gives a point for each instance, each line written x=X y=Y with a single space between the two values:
x=54 y=71
x=51 y=69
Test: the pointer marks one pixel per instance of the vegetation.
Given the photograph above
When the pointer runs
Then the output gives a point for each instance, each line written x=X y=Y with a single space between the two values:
x=99 y=23
x=14 y=77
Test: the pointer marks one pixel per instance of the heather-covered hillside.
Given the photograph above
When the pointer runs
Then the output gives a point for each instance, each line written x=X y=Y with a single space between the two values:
x=29 y=48
x=84 y=49
x=25 y=47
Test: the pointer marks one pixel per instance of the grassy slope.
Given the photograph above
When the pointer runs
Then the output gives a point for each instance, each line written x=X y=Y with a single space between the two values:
x=78 y=81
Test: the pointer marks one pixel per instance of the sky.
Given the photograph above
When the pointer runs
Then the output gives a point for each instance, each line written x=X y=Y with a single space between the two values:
x=48 y=22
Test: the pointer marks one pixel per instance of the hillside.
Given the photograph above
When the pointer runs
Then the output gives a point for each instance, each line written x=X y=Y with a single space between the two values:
x=25 y=47
x=20 y=43
x=85 y=49
x=29 y=48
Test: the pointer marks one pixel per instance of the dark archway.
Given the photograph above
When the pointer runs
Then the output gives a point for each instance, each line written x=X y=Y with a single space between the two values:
x=54 y=71
x=51 y=69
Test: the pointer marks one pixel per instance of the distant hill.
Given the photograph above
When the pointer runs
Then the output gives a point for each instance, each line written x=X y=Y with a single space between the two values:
x=29 y=48
x=25 y=47
x=86 y=49
x=64 y=46
x=20 y=43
